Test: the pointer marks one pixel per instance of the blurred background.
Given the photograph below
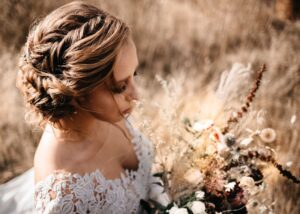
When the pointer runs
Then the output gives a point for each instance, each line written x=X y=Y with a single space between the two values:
x=192 y=42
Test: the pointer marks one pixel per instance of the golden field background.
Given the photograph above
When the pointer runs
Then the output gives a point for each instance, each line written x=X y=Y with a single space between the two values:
x=189 y=42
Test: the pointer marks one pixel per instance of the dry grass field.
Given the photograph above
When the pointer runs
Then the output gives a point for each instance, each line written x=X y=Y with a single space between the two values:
x=189 y=43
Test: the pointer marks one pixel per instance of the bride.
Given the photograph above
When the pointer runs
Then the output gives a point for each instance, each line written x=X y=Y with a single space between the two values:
x=77 y=78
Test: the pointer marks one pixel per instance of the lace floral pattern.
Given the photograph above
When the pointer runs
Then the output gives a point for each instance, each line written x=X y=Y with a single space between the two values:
x=92 y=192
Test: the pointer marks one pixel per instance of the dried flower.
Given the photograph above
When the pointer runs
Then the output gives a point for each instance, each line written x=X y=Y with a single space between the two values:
x=197 y=207
x=196 y=143
x=261 y=117
x=232 y=81
x=214 y=184
x=289 y=164
x=169 y=161
x=247 y=182
x=230 y=186
x=249 y=99
x=223 y=150
x=199 y=194
x=211 y=149
x=229 y=139
x=262 y=209
x=209 y=160
x=202 y=125
x=193 y=176
x=293 y=119
x=245 y=143
x=217 y=135
x=268 y=135
x=285 y=172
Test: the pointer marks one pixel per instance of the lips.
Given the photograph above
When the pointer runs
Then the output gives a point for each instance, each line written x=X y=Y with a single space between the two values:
x=127 y=111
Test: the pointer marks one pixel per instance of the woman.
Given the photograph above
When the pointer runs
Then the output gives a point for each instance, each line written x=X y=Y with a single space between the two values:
x=77 y=78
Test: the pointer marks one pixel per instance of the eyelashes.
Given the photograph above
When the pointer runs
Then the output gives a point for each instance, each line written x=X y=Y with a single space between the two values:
x=120 y=89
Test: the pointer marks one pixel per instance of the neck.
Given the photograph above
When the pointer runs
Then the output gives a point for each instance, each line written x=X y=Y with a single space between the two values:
x=80 y=127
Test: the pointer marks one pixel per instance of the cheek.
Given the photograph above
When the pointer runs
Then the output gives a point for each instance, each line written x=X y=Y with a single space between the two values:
x=106 y=109
x=108 y=105
x=101 y=101
x=112 y=105
x=120 y=101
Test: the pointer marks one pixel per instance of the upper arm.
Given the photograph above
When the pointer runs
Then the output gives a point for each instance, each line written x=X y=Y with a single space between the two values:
x=48 y=157
x=64 y=193
x=43 y=165
x=52 y=196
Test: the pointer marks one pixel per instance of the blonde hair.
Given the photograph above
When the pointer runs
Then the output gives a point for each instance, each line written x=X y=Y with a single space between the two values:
x=66 y=55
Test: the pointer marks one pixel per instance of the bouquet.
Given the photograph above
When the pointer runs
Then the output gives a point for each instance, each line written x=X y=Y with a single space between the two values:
x=217 y=168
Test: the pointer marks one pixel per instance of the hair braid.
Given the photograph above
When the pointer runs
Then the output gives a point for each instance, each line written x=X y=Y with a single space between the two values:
x=67 y=54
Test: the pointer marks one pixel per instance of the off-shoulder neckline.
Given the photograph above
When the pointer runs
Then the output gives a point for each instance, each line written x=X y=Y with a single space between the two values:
x=97 y=172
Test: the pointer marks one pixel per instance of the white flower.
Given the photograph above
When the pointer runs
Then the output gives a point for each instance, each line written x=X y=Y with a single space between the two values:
x=176 y=210
x=219 y=139
x=293 y=119
x=197 y=207
x=173 y=210
x=268 y=135
x=247 y=182
x=200 y=126
x=230 y=186
x=193 y=176
x=245 y=143
x=289 y=163
x=199 y=194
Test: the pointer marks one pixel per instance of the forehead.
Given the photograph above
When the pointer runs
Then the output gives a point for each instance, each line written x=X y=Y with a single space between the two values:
x=126 y=61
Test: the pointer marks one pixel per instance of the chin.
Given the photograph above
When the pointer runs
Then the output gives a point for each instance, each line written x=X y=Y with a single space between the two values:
x=118 y=120
x=109 y=118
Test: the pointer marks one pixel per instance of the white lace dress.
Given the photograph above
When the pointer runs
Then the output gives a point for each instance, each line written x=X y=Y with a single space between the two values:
x=92 y=192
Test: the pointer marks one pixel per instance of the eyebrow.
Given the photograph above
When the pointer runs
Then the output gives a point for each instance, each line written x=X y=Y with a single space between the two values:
x=127 y=77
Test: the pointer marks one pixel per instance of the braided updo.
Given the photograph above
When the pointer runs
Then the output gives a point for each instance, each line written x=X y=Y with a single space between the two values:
x=66 y=55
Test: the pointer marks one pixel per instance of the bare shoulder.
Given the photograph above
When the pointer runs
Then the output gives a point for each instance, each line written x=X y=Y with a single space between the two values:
x=50 y=156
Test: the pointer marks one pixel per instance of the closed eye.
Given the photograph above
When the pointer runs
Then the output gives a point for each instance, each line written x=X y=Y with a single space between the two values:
x=123 y=87
x=119 y=89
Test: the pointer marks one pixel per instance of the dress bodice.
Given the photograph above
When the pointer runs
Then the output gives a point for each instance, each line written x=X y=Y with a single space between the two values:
x=92 y=192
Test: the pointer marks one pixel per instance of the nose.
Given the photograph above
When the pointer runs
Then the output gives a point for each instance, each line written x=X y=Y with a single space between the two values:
x=133 y=93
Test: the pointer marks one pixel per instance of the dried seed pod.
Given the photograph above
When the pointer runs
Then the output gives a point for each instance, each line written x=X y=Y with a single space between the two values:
x=230 y=139
x=249 y=99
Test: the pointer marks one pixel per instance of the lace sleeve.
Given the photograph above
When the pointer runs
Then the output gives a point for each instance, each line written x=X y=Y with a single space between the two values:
x=92 y=193
x=62 y=194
